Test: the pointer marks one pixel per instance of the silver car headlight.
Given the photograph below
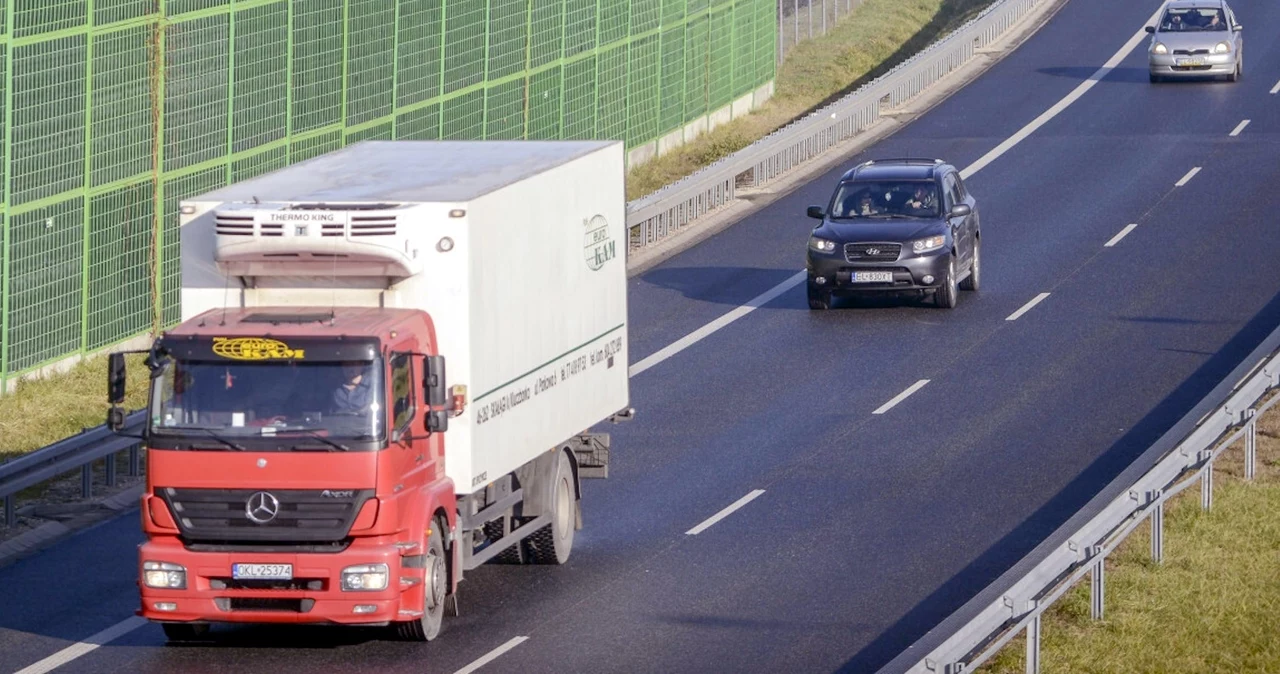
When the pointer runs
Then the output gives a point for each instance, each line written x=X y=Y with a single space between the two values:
x=822 y=245
x=926 y=245
x=1159 y=48
x=1221 y=48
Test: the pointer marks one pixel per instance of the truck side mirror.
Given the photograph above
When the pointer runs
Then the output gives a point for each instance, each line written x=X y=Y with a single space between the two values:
x=433 y=382
x=437 y=421
x=115 y=390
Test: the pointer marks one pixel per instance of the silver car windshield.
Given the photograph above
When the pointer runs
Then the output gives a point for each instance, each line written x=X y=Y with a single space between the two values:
x=886 y=198
x=1193 y=19
x=330 y=400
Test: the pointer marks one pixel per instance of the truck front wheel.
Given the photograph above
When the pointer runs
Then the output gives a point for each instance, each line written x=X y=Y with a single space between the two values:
x=435 y=588
x=552 y=543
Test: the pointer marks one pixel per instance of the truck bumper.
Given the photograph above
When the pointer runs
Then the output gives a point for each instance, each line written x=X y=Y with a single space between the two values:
x=314 y=594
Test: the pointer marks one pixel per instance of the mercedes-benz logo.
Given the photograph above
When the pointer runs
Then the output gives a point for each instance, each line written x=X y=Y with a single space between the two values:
x=262 y=507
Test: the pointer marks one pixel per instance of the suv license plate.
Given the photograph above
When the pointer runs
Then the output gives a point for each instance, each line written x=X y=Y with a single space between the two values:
x=872 y=277
x=267 y=571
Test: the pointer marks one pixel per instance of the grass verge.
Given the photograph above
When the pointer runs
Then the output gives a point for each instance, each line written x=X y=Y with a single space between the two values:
x=42 y=411
x=865 y=44
x=1212 y=606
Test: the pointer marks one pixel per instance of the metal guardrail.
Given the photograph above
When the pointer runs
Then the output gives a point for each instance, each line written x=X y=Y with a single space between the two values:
x=78 y=451
x=654 y=217
x=1183 y=456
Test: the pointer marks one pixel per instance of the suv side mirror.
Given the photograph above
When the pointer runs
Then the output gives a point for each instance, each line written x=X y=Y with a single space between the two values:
x=815 y=212
x=960 y=210
x=1150 y=29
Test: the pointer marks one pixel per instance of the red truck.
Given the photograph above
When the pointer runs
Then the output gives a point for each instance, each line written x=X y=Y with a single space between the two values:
x=309 y=459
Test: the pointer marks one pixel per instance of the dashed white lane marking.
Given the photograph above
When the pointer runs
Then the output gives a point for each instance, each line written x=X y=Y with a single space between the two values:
x=1239 y=127
x=1123 y=233
x=724 y=513
x=85 y=647
x=492 y=655
x=1027 y=307
x=1187 y=178
x=901 y=396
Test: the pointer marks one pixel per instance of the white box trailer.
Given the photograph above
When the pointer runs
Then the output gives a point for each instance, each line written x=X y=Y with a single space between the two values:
x=515 y=249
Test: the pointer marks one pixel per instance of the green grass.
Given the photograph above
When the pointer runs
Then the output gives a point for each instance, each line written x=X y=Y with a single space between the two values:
x=1212 y=606
x=866 y=43
x=46 y=410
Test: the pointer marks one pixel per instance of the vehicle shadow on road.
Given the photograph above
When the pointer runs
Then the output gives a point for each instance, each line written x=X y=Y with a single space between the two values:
x=726 y=285
x=1119 y=74
x=1137 y=451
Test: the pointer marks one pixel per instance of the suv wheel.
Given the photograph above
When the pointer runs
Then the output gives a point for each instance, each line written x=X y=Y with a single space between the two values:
x=819 y=300
x=975 y=271
x=945 y=295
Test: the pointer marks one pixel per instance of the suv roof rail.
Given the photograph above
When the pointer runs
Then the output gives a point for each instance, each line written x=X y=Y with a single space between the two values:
x=903 y=160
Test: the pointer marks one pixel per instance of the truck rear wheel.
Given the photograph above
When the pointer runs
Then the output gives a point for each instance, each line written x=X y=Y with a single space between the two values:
x=552 y=543
x=512 y=555
x=435 y=588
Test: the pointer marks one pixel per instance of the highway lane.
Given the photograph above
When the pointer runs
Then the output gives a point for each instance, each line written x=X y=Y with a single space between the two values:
x=781 y=393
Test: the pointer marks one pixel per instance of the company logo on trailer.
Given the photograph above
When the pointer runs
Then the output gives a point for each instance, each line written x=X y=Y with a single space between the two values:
x=598 y=246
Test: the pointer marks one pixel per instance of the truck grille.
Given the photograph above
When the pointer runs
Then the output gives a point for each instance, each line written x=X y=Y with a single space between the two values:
x=288 y=515
x=872 y=252
x=230 y=604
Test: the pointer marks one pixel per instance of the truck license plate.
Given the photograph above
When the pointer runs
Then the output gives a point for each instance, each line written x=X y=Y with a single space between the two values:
x=872 y=277
x=268 y=571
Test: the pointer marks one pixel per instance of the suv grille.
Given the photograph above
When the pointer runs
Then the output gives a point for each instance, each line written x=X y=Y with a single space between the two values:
x=221 y=515
x=872 y=252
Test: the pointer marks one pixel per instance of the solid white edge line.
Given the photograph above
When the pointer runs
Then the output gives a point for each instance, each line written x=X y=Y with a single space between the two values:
x=710 y=328
x=1239 y=128
x=1062 y=104
x=1123 y=233
x=1027 y=307
x=1187 y=178
x=1276 y=88
x=901 y=397
x=85 y=647
x=724 y=513
x=492 y=655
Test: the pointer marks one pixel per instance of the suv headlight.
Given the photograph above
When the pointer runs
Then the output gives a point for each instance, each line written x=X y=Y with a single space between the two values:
x=1159 y=48
x=164 y=576
x=821 y=245
x=364 y=578
x=926 y=245
x=1221 y=48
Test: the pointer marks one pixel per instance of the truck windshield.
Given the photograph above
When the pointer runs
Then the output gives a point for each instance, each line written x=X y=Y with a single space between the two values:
x=313 y=403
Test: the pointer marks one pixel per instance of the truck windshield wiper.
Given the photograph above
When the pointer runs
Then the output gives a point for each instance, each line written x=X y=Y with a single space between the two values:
x=314 y=432
x=210 y=432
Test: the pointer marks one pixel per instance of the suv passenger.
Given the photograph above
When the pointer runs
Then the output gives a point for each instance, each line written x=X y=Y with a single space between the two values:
x=896 y=225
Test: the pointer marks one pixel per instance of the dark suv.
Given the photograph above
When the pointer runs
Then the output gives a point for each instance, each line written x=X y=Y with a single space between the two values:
x=896 y=225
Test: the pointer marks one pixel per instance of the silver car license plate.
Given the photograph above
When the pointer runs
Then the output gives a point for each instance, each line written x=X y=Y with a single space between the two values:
x=1191 y=62
x=263 y=571
x=872 y=277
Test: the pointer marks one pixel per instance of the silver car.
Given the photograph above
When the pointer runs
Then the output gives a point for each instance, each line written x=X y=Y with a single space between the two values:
x=1196 y=38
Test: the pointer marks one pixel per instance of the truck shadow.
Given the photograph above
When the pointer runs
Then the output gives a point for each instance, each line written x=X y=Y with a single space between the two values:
x=1178 y=411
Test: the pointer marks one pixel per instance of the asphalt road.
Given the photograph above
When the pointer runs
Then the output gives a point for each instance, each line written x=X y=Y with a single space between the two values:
x=871 y=528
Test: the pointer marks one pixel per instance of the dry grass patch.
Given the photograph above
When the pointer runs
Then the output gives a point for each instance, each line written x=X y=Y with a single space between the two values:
x=866 y=43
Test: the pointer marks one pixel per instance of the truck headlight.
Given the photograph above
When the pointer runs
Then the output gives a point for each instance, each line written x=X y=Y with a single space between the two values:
x=365 y=578
x=1221 y=48
x=1159 y=48
x=164 y=576
x=822 y=245
x=926 y=245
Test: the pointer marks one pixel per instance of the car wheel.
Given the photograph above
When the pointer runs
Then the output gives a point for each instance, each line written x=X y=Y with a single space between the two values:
x=945 y=295
x=1235 y=76
x=819 y=300
x=975 y=272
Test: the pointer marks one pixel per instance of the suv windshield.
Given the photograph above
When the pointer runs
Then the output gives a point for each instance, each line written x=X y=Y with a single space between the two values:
x=886 y=198
x=318 y=404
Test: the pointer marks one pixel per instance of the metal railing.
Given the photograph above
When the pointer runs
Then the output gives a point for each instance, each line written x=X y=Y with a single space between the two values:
x=1015 y=602
x=656 y=216
x=76 y=452
x=800 y=20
